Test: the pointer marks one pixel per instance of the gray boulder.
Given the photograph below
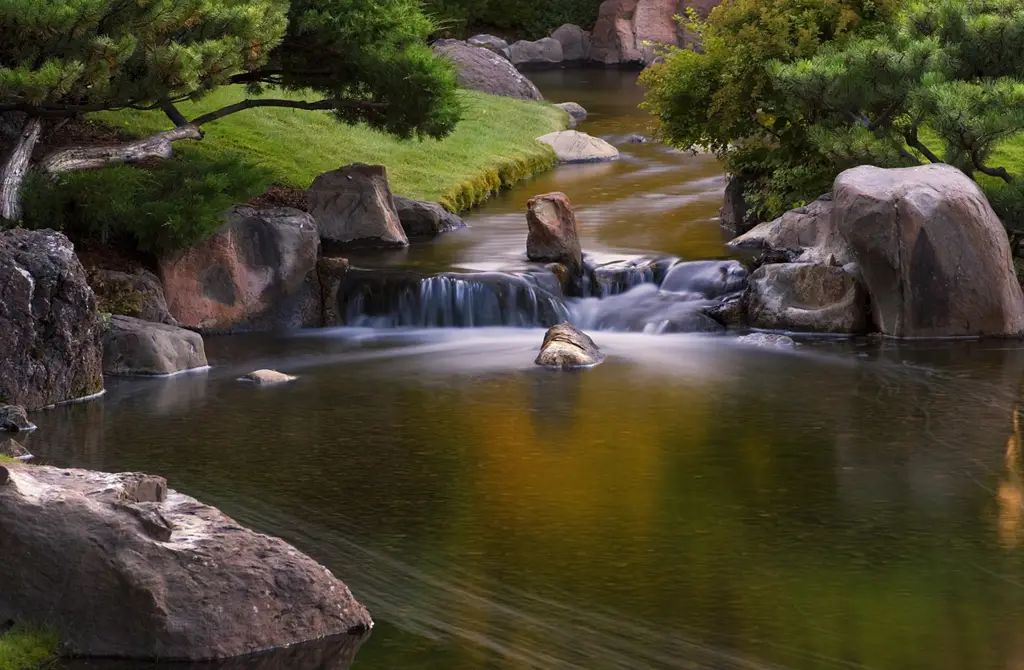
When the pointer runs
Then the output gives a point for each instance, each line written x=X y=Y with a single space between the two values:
x=566 y=347
x=572 y=146
x=258 y=272
x=139 y=294
x=480 y=69
x=420 y=218
x=545 y=51
x=13 y=419
x=491 y=43
x=706 y=279
x=804 y=234
x=156 y=574
x=552 y=235
x=735 y=216
x=353 y=207
x=804 y=297
x=575 y=42
x=50 y=329
x=136 y=347
x=574 y=110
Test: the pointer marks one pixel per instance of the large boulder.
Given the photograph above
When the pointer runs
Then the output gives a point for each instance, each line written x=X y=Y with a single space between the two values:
x=545 y=51
x=806 y=297
x=575 y=42
x=552 y=236
x=630 y=31
x=258 y=272
x=572 y=146
x=50 y=329
x=931 y=251
x=135 y=347
x=566 y=347
x=156 y=574
x=138 y=294
x=480 y=69
x=420 y=218
x=353 y=207
x=490 y=42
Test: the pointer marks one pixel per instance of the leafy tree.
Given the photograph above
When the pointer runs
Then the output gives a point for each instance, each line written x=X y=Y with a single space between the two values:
x=363 y=60
x=724 y=99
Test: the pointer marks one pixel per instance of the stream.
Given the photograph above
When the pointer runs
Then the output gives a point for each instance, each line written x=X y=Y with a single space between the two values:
x=692 y=503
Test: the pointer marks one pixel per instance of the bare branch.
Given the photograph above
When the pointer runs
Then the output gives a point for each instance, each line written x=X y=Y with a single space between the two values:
x=85 y=158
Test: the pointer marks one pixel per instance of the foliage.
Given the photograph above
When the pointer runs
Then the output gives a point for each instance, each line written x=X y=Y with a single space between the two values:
x=530 y=18
x=157 y=209
x=723 y=99
x=493 y=146
x=26 y=649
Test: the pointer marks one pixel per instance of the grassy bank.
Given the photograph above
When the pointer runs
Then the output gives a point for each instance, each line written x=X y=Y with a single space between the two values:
x=27 y=649
x=494 y=146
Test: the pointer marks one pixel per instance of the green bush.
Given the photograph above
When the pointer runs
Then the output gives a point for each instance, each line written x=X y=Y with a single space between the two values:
x=157 y=209
x=529 y=18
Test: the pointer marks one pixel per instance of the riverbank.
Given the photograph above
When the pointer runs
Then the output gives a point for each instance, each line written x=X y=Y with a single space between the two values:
x=26 y=649
x=493 y=147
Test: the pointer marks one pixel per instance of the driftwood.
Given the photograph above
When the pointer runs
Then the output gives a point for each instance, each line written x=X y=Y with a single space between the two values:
x=15 y=167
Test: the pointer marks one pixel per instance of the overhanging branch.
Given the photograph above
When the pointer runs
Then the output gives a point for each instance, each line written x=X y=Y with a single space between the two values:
x=86 y=158
x=331 y=103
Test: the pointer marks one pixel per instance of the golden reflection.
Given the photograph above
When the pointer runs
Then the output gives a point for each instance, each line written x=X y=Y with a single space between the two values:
x=1010 y=495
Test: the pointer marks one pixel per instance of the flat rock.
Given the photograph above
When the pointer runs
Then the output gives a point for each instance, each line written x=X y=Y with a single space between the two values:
x=155 y=579
x=136 y=347
x=13 y=419
x=421 y=218
x=266 y=377
x=566 y=347
x=480 y=69
x=572 y=146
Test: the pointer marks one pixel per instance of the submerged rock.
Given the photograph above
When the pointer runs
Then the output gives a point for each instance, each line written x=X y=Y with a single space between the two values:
x=566 y=347
x=552 y=236
x=572 y=146
x=265 y=377
x=13 y=449
x=767 y=340
x=807 y=297
x=136 y=347
x=13 y=419
x=50 y=329
x=618 y=276
x=420 y=218
x=353 y=207
x=645 y=309
x=258 y=272
x=156 y=574
x=480 y=69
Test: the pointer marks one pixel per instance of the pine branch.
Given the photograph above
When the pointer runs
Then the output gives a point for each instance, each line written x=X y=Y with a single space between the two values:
x=992 y=172
x=912 y=140
x=328 y=104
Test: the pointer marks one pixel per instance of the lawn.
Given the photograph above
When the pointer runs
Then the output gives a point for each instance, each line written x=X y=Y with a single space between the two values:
x=493 y=146
x=26 y=649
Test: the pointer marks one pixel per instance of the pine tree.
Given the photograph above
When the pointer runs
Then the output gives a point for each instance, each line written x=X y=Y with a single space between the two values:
x=363 y=60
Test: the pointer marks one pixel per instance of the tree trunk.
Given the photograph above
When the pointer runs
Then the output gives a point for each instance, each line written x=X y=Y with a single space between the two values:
x=87 y=158
x=15 y=167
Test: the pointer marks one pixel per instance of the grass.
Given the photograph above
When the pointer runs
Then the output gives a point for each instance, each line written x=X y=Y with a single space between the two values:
x=493 y=146
x=27 y=649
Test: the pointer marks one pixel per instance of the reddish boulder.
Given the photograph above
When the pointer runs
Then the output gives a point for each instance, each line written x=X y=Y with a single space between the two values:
x=627 y=31
x=552 y=236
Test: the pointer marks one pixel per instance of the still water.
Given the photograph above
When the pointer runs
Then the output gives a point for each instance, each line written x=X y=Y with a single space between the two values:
x=690 y=504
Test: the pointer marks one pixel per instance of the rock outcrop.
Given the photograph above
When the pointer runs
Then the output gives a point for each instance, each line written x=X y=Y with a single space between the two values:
x=420 y=218
x=258 y=272
x=136 y=347
x=50 y=329
x=353 y=207
x=545 y=51
x=139 y=294
x=575 y=42
x=566 y=347
x=552 y=236
x=13 y=419
x=805 y=297
x=480 y=69
x=572 y=146
x=629 y=31
x=156 y=574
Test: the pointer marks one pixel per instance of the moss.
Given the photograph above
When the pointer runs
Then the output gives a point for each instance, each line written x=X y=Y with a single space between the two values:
x=27 y=648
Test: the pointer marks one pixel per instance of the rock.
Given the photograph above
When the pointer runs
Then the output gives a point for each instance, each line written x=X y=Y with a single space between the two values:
x=331 y=272
x=572 y=146
x=137 y=294
x=932 y=253
x=805 y=297
x=708 y=279
x=258 y=272
x=481 y=69
x=631 y=31
x=566 y=347
x=265 y=377
x=730 y=312
x=136 y=347
x=574 y=110
x=161 y=574
x=13 y=419
x=619 y=276
x=634 y=138
x=420 y=218
x=804 y=234
x=353 y=207
x=13 y=449
x=491 y=43
x=50 y=329
x=735 y=216
x=552 y=236
x=767 y=340
x=575 y=42
x=545 y=51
